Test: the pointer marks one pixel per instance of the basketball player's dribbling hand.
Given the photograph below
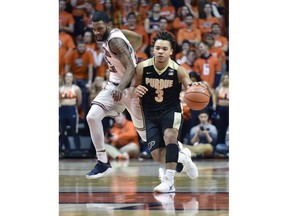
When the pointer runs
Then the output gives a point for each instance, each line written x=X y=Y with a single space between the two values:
x=116 y=94
x=199 y=83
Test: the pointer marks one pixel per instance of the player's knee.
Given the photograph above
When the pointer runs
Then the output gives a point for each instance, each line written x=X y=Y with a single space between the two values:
x=170 y=136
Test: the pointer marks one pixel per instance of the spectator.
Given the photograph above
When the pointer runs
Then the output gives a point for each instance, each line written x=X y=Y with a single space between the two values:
x=223 y=148
x=163 y=27
x=80 y=62
x=202 y=136
x=215 y=51
x=208 y=66
x=221 y=105
x=188 y=60
x=66 y=20
x=168 y=12
x=66 y=45
x=220 y=40
x=193 y=7
x=122 y=139
x=96 y=87
x=207 y=18
x=133 y=26
x=152 y=23
x=69 y=98
x=193 y=35
x=78 y=12
x=179 y=21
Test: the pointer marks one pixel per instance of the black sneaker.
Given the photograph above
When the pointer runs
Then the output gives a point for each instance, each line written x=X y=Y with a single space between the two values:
x=101 y=169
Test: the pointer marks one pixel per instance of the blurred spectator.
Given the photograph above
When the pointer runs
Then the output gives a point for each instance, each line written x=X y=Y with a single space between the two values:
x=78 y=12
x=223 y=148
x=208 y=66
x=152 y=23
x=143 y=11
x=202 y=136
x=163 y=27
x=221 y=105
x=179 y=21
x=80 y=63
x=193 y=7
x=96 y=87
x=220 y=41
x=89 y=11
x=207 y=18
x=168 y=12
x=193 y=35
x=188 y=60
x=69 y=98
x=122 y=139
x=215 y=51
x=133 y=26
x=66 y=45
x=66 y=20
x=181 y=56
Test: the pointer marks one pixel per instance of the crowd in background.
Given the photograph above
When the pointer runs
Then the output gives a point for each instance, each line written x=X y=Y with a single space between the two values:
x=201 y=30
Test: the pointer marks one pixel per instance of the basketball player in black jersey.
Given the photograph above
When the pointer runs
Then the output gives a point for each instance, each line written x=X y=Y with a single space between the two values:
x=158 y=82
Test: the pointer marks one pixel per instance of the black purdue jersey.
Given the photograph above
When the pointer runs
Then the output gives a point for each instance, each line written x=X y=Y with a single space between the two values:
x=163 y=87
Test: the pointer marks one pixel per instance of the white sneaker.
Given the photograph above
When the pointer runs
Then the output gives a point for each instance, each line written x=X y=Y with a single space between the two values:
x=161 y=173
x=166 y=186
x=189 y=167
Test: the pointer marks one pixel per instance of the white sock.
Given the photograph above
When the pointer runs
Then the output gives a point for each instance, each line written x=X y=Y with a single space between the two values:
x=102 y=156
x=170 y=174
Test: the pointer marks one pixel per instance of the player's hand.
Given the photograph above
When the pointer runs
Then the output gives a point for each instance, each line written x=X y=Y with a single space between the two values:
x=140 y=90
x=116 y=94
x=199 y=83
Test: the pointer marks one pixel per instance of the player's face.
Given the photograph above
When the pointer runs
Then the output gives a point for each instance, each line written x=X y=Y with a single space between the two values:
x=162 y=50
x=100 y=30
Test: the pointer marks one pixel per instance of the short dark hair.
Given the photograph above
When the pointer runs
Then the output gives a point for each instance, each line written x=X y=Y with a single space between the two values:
x=165 y=36
x=100 y=16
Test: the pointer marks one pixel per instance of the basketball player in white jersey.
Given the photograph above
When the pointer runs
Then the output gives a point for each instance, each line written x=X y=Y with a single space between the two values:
x=114 y=98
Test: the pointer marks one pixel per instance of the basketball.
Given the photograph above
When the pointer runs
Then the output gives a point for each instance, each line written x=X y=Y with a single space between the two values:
x=197 y=97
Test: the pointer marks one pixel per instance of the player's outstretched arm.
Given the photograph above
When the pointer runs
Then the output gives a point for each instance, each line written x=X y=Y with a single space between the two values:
x=119 y=47
x=134 y=38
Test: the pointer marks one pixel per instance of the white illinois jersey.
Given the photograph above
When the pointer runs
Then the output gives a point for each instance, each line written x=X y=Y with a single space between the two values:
x=116 y=69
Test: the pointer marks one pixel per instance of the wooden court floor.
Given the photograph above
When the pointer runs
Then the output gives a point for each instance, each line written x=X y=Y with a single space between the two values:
x=129 y=190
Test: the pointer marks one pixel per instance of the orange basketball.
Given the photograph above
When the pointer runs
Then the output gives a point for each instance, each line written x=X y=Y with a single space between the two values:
x=197 y=97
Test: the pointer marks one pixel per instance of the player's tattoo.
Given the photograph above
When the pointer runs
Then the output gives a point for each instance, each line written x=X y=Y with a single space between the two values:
x=119 y=48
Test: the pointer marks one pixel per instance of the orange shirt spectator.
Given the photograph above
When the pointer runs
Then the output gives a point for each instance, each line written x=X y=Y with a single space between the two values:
x=220 y=41
x=133 y=26
x=66 y=45
x=179 y=21
x=125 y=134
x=205 y=22
x=208 y=66
x=141 y=56
x=66 y=20
x=80 y=62
x=189 y=33
x=167 y=11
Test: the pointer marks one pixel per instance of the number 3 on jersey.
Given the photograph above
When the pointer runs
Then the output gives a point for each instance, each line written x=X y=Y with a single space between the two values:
x=159 y=93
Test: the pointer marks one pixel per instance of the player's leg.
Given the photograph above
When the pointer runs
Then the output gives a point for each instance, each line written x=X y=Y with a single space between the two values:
x=135 y=110
x=102 y=106
x=94 y=119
